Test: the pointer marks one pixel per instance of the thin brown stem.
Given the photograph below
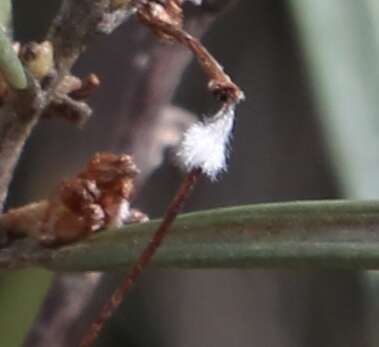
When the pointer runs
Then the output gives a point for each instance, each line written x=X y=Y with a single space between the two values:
x=117 y=297
x=167 y=26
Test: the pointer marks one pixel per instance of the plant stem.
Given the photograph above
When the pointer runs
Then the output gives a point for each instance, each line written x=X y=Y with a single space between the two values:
x=143 y=260
x=77 y=22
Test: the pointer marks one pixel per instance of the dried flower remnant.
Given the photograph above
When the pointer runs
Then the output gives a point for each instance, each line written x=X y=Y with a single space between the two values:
x=98 y=198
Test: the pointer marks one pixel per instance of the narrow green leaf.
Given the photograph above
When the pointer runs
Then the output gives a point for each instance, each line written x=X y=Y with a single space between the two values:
x=5 y=14
x=21 y=293
x=341 y=46
x=10 y=65
x=332 y=234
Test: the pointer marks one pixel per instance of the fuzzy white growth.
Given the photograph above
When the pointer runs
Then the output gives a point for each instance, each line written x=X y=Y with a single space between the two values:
x=205 y=144
x=196 y=2
x=120 y=213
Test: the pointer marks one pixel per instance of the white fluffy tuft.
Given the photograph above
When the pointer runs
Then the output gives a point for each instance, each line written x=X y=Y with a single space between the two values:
x=120 y=213
x=205 y=144
x=196 y=2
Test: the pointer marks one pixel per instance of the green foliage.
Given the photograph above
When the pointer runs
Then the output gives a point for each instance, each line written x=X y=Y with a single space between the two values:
x=341 y=47
x=10 y=66
x=5 y=14
x=21 y=293
x=325 y=234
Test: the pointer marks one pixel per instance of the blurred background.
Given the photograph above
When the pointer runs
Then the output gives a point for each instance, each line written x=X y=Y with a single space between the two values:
x=308 y=130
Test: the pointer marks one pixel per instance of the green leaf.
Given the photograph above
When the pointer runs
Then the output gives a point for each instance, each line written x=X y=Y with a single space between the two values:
x=21 y=293
x=10 y=65
x=5 y=14
x=341 y=46
x=325 y=234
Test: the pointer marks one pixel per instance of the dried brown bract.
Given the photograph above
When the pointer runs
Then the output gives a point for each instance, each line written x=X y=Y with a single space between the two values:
x=97 y=198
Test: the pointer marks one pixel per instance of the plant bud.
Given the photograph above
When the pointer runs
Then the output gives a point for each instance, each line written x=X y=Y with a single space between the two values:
x=39 y=58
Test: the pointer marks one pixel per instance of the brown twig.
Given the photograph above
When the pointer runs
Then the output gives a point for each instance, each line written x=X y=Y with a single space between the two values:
x=17 y=119
x=172 y=211
x=67 y=108
x=166 y=23
x=76 y=23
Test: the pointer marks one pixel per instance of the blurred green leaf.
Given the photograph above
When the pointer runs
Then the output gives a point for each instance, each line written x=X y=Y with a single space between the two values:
x=340 y=39
x=10 y=65
x=341 y=44
x=21 y=293
x=325 y=234
x=5 y=14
